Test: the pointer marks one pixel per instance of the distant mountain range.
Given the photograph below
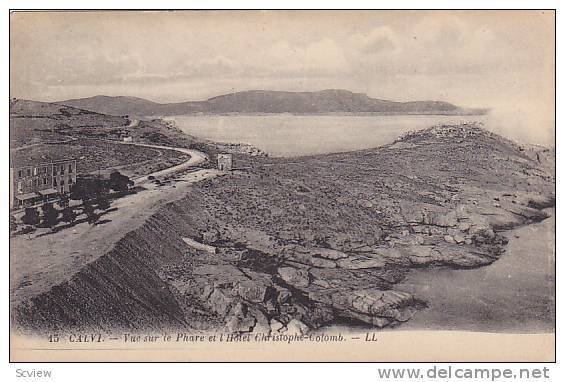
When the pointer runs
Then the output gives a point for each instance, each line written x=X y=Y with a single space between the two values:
x=265 y=101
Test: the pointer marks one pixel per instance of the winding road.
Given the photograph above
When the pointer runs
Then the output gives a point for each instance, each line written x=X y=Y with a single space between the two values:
x=46 y=259
x=196 y=158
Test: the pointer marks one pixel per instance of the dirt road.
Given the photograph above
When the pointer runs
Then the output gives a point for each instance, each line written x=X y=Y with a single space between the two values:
x=42 y=260
x=196 y=158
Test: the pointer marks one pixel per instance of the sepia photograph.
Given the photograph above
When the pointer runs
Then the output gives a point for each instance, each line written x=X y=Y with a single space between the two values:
x=278 y=185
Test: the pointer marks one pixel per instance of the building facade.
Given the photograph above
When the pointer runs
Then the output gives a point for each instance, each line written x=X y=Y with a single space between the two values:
x=225 y=162
x=32 y=184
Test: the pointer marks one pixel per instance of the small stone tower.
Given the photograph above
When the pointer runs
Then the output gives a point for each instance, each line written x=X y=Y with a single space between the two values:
x=225 y=162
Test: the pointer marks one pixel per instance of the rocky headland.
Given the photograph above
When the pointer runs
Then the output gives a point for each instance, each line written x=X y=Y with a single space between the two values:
x=240 y=148
x=299 y=243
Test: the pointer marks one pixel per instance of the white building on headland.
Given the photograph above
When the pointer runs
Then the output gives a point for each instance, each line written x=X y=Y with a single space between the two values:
x=225 y=162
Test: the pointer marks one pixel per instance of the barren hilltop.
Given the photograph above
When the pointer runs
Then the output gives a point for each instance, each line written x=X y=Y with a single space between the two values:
x=42 y=132
x=301 y=243
x=265 y=101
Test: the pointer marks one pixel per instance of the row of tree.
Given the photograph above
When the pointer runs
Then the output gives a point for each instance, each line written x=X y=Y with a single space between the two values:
x=93 y=192
x=49 y=216
x=92 y=188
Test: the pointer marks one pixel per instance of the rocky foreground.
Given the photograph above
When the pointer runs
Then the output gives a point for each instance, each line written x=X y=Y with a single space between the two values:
x=300 y=243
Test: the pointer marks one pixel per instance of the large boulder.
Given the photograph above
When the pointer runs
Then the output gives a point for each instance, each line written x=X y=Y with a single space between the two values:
x=237 y=324
x=298 y=278
x=327 y=253
x=356 y=262
x=252 y=290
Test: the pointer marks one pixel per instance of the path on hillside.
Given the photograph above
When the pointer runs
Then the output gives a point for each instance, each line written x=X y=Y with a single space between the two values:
x=196 y=158
x=63 y=142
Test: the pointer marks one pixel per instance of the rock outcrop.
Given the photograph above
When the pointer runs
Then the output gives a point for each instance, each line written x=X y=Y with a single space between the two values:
x=295 y=245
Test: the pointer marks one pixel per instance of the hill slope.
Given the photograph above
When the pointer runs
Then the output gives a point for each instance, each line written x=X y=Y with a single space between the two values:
x=263 y=101
x=306 y=242
x=33 y=122
x=132 y=106
x=41 y=132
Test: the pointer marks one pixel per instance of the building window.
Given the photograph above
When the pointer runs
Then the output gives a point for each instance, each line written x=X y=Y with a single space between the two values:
x=54 y=182
x=28 y=171
x=70 y=180
x=45 y=170
x=19 y=186
x=34 y=171
x=44 y=181
x=36 y=182
x=70 y=168
x=62 y=169
x=20 y=173
x=62 y=182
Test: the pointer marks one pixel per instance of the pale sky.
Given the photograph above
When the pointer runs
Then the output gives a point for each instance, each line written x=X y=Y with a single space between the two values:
x=498 y=59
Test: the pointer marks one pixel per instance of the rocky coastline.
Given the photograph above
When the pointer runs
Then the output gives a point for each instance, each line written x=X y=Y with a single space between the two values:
x=291 y=246
x=240 y=148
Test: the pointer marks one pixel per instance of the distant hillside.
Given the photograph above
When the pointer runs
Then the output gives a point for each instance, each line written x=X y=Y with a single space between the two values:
x=132 y=106
x=33 y=122
x=42 y=132
x=264 y=101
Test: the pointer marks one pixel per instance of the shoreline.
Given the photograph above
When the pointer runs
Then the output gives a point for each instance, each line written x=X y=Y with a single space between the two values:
x=421 y=320
x=216 y=283
x=359 y=327
x=329 y=114
x=525 y=317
